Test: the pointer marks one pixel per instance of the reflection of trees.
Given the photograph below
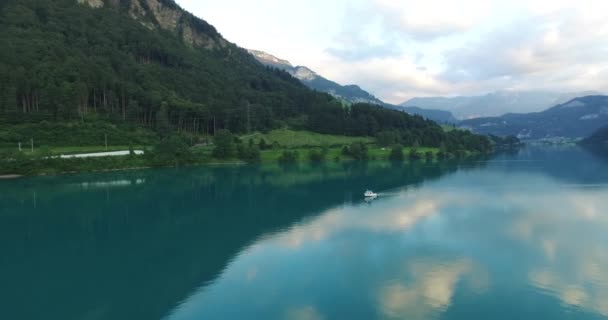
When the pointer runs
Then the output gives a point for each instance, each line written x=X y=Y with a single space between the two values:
x=133 y=251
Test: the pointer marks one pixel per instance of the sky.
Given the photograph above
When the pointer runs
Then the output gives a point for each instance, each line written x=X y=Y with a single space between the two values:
x=397 y=50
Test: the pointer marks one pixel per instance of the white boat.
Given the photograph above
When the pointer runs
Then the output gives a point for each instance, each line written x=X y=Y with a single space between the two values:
x=370 y=194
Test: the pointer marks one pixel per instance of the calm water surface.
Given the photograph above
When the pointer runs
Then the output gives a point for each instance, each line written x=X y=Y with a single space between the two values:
x=519 y=236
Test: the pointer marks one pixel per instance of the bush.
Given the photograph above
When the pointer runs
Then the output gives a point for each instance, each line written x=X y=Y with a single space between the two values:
x=345 y=151
x=252 y=154
x=414 y=154
x=358 y=151
x=172 y=151
x=224 y=145
x=429 y=155
x=316 y=156
x=396 y=153
x=289 y=157
x=263 y=145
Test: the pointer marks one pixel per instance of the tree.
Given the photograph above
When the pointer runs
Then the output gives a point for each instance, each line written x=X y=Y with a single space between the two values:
x=359 y=151
x=316 y=156
x=224 y=145
x=262 y=144
x=163 y=127
x=173 y=150
x=289 y=157
x=388 y=138
x=252 y=154
x=396 y=153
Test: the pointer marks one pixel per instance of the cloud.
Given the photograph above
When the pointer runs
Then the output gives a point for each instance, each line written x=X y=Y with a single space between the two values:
x=530 y=46
x=472 y=47
x=428 y=293
x=400 y=49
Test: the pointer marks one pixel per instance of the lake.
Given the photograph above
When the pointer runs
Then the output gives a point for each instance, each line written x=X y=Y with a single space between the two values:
x=516 y=236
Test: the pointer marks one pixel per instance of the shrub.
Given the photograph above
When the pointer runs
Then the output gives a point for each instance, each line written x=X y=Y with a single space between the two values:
x=414 y=154
x=224 y=145
x=172 y=151
x=289 y=157
x=396 y=153
x=358 y=151
x=263 y=145
x=316 y=156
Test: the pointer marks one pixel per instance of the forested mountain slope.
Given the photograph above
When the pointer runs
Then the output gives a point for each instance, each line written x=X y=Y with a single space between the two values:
x=150 y=64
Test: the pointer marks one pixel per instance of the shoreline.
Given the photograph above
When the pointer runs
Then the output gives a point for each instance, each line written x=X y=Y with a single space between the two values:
x=204 y=164
x=10 y=176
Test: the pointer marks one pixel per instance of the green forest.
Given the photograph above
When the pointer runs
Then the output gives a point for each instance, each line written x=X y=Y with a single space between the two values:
x=70 y=73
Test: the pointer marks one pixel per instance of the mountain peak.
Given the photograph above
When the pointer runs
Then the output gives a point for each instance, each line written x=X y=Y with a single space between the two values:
x=166 y=15
x=270 y=60
x=304 y=74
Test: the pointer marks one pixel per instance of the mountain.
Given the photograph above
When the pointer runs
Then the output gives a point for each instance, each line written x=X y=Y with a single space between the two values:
x=496 y=103
x=439 y=116
x=150 y=65
x=349 y=93
x=578 y=118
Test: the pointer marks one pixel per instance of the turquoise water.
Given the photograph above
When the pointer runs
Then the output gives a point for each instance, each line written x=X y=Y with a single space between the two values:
x=518 y=236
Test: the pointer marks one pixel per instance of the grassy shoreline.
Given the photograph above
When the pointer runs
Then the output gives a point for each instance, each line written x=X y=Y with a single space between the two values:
x=272 y=147
x=45 y=167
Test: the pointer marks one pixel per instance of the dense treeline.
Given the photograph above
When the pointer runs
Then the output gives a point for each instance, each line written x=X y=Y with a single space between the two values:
x=66 y=62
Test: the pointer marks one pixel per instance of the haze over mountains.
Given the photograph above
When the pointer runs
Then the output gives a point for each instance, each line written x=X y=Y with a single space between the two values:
x=497 y=103
x=578 y=118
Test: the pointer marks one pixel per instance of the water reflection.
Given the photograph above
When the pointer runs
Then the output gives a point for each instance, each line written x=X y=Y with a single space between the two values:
x=512 y=240
x=132 y=245
x=517 y=237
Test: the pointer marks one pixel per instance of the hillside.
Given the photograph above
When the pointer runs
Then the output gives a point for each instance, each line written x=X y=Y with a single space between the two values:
x=577 y=118
x=142 y=61
x=496 y=103
x=148 y=64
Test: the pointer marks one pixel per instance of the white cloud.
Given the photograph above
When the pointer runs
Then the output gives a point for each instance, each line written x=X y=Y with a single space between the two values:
x=399 y=49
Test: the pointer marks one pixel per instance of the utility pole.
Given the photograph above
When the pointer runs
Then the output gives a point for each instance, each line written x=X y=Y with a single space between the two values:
x=19 y=146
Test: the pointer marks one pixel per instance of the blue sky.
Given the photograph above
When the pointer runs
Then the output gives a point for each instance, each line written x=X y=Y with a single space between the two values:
x=402 y=49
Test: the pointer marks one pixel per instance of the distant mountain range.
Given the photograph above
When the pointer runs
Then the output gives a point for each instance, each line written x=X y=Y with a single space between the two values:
x=348 y=93
x=577 y=118
x=496 y=103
